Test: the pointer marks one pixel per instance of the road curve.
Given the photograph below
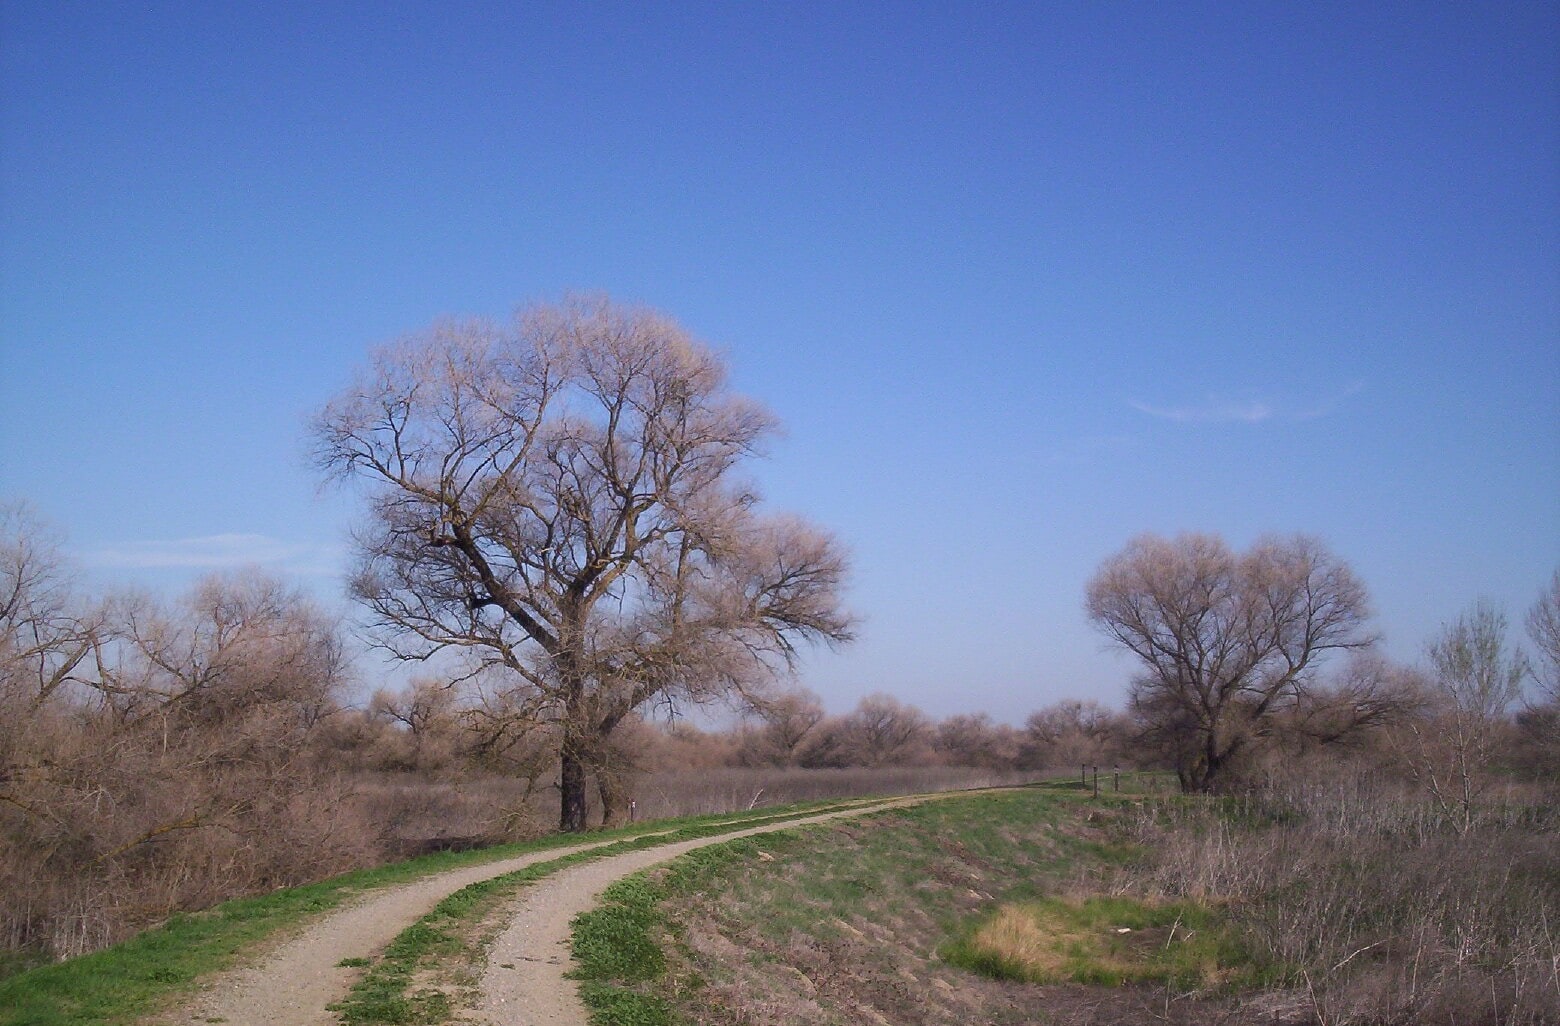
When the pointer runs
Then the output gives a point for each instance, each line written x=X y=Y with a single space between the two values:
x=295 y=980
x=524 y=983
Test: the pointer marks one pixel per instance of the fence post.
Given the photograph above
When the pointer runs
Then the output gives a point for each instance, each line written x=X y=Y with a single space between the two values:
x=1096 y=781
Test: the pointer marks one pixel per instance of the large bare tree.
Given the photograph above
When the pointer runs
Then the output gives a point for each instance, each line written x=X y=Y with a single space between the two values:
x=559 y=497
x=1228 y=641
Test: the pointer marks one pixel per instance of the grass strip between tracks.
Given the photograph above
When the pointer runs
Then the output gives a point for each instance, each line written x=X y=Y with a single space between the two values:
x=150 y=971
x=389 y=994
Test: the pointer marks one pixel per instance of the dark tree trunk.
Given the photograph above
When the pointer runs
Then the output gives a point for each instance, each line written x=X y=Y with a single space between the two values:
x=575 y=809
x=614 y=798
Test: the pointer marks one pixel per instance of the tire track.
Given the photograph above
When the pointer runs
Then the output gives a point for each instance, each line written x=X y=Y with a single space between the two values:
x=524 y=983
x=293 y=983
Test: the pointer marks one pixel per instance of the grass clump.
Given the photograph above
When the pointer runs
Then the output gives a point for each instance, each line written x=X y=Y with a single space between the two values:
x=1104 y=941
x=616 y=948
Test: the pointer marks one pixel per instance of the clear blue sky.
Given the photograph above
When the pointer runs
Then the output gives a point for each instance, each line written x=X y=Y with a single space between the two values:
x=1022 y=280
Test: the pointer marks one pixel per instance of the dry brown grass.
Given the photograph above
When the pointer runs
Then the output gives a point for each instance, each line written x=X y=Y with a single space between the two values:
x=1018 y=936
x=1384 y=912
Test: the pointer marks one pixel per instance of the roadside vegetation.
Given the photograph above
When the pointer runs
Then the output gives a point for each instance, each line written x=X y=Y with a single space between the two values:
x=1373 y=841
x=1332 y=898
x=147 y=972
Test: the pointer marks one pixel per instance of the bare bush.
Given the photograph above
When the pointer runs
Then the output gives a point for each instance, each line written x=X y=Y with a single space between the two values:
x=180 y=773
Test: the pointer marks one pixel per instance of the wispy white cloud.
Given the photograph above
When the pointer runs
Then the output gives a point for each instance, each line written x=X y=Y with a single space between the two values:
x=1248 y=410
x=1211 y=411
x=216 y=552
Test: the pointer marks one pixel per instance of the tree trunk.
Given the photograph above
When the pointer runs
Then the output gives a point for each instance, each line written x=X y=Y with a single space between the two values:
x=573 y=753
x=614 y=797
x=572 y=819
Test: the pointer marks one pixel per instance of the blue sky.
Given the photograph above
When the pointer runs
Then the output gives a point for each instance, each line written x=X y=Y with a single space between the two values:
x=1021 y=280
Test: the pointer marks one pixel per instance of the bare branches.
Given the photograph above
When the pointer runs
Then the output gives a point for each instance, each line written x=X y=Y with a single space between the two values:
x=554 y=497
x=1227 y=640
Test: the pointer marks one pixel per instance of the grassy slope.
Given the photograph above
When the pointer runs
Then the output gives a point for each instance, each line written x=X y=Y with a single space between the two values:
x=852 y=922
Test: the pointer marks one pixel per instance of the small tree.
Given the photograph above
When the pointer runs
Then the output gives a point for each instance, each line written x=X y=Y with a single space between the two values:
x=1228 y=641
x=1540 y=720
x=559 y=499
x=883 y=731
x=974 y=740
x=1474 y=681
x=788 y=719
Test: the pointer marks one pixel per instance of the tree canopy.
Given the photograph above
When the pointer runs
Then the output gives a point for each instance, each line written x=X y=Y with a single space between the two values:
x=558 y=500
x=1228 y=641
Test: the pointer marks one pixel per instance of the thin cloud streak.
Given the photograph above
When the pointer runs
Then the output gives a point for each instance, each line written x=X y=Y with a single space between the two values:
x=1220 y=410
x=215 y=552
x=1214 y=411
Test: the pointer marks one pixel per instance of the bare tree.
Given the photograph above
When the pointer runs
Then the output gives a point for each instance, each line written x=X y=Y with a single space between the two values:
x=883 y=731
x=1474 y=681
x=974 y=740
x=425 y=719
x=1227 y=641
x=1543 y=625
x=1539 y=721
x=559 y=498
x=788 y=719
x=47 y=638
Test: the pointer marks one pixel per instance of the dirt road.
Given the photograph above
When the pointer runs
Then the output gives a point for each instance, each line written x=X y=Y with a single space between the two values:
x=293 y=983
x=524 y=984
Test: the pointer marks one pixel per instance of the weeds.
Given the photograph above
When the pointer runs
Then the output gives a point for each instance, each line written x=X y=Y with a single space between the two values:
x=1382 y=911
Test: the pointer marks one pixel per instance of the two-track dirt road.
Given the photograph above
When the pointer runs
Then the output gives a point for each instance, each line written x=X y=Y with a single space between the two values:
x=524 y=983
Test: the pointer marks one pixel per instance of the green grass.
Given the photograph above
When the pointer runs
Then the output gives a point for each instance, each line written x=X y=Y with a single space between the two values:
x=1105 y=941
x=150 y=971
x=861 y=905
x=615 y=946
x=812 y=883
